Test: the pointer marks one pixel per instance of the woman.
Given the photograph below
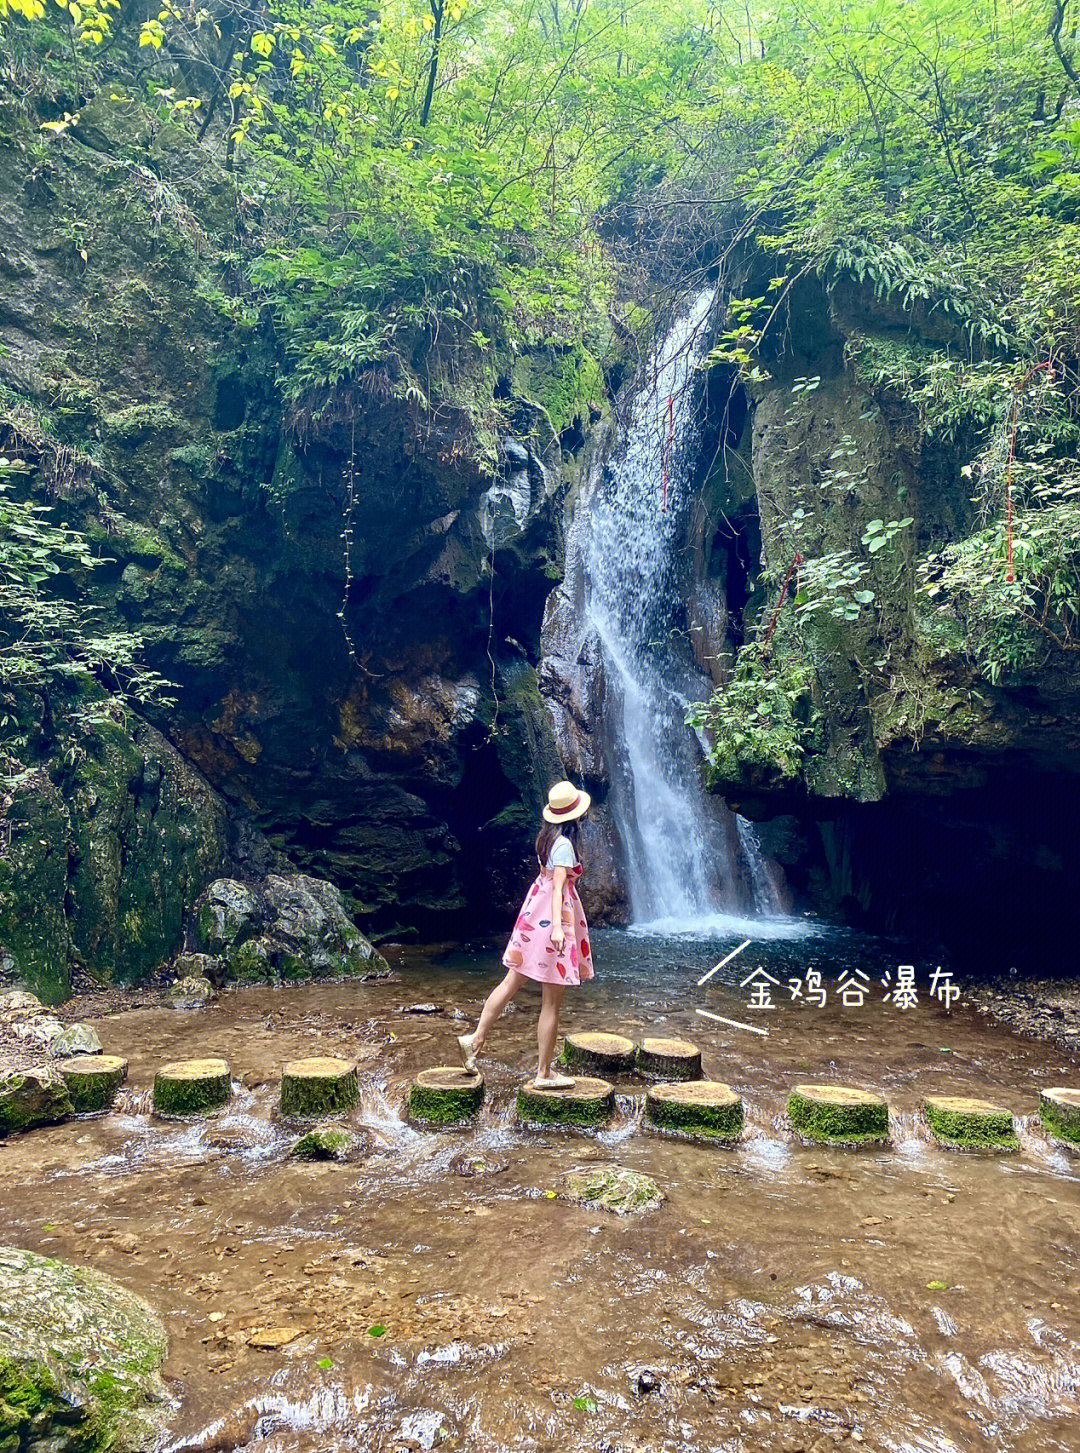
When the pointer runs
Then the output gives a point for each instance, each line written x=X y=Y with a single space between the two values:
x=550 y=941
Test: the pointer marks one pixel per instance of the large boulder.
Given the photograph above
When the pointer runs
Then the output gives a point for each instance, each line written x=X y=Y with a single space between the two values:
x=29 y=1098
x=285 y=927
x=79 y=1360
x=76 y=1039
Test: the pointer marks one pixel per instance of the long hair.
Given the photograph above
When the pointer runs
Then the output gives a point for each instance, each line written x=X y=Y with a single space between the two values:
x=545 y=838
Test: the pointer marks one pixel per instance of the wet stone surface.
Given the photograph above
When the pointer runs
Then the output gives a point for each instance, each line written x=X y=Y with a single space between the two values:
x=782 y=1299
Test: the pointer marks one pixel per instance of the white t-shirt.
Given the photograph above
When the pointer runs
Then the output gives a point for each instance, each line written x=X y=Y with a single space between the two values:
x=562 y=854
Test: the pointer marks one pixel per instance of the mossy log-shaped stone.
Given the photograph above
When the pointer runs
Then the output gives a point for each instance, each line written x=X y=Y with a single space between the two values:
x=191 y=1087
x=446 y=1095
x=839 y=1115
x=314 y=1088
x=93 y=1080
x=588 y=1103
x=696 y=1109
x=669 y=1059
x=598 y=1054
x=966 y=1124
x=1059 y=1111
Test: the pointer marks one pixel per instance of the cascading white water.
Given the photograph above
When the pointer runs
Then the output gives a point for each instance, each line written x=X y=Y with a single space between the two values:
x=687 y=858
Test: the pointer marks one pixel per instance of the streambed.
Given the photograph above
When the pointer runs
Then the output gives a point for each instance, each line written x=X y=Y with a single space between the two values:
x=784 y=1297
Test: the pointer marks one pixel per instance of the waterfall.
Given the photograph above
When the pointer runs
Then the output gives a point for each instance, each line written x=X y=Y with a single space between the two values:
x=688 y=863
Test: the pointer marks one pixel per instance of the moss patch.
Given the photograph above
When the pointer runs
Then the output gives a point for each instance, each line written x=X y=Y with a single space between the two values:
x=312 y=1088
x=697 y=1109
x=191 y=1087
x=589 y=1103
x=93 y=1080
x=838 y=1115
x=967 y=1124
x=612 y=1188
x=1059 y=1111
x=446 y=1095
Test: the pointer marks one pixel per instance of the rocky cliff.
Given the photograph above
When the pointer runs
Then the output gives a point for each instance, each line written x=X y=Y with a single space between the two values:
x=345 y=597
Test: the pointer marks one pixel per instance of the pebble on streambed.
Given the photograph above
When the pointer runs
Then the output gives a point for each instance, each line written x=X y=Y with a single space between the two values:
x=838 y=1115
x=446 y=1095
x=963 y=1123
x=1059 y=1111
x=317 y=1087
x=669 y=1059
x=598 y=1054
x=587 y=1103
x=93 y=1080
x=696 y=1110
x=191 y=1087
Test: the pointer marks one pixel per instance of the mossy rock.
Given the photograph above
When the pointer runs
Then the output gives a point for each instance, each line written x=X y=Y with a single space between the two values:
x=967 y=1124
x=839 y=1115
x=669 y=1059
x=93 y=1080
x=598 y=1054
x=313 y=1088
x=696 y=1109
x=31 y=1098
x=1059 y=1111
x=79 y=1360
x=191 y=1087
x=588 y=1103
x=446 y=1095
x=328 y=1142
x=612 y=1188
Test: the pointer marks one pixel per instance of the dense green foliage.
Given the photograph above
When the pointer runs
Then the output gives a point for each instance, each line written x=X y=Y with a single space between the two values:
x=421 y=191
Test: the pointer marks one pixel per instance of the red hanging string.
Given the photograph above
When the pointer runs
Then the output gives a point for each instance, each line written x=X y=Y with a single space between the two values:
x=667 y=449
x=1020 y=387
x=783 y=596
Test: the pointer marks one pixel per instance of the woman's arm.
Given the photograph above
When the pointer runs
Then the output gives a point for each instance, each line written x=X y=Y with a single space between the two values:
x=557 y=936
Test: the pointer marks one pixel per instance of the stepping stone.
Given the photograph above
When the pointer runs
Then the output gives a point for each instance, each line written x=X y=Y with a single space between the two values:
x=669 y=1059
x=598 y=1054
x=611 y=1188
x=588 y=1103
x=191 y=1087
x=966 y=1124
x=839 y=1115
x=446 y=1095
x=93 y=1080
x=1059 y=1111
x=314 y=1088
x=696 y=1110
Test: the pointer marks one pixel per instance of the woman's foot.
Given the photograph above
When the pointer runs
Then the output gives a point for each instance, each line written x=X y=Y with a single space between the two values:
x=554 y=1082
x=468 y=1051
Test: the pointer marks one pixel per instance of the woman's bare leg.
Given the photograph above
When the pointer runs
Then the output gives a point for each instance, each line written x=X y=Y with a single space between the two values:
x=547 y=1027
x=494 y=1005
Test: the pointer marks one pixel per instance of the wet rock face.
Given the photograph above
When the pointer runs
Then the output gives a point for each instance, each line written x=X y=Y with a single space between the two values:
x=286 y=927
x=79 y=1360
x=373 y=714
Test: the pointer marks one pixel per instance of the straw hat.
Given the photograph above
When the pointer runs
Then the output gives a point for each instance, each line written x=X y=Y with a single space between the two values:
x=566 y=802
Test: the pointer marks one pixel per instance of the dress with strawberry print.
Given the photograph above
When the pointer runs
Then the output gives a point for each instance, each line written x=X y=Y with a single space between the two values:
x=530 y=950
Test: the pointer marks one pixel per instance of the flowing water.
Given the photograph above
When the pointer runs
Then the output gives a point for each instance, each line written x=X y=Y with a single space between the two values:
x=687 y=860
x=783 y=1297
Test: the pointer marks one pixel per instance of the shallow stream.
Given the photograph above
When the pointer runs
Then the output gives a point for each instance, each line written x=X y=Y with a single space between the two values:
x=784 y=1297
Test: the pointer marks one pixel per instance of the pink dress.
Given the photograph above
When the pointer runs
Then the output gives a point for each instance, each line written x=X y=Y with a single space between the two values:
x=530 y=950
